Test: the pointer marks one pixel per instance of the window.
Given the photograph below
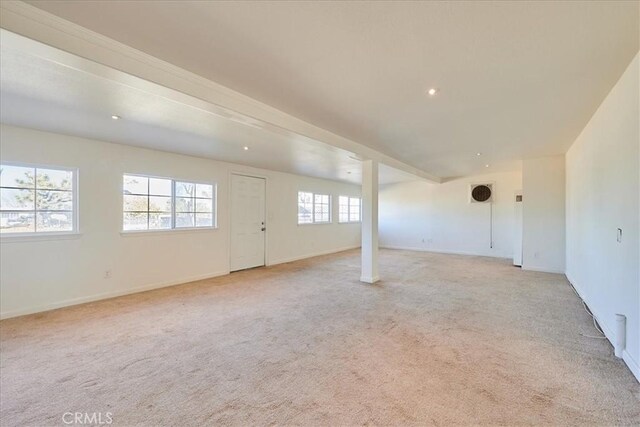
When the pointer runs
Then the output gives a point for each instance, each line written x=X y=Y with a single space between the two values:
x=164 y=204
x=147 y=203
x=321 y=208
x=194 y=204
x=349 y=209
x=314 y=208
x=37 y=200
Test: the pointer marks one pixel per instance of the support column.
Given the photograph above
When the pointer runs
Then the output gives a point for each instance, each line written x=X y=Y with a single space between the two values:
x=369 y=222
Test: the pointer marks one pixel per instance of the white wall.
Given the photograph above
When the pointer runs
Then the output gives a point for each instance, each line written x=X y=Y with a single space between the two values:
x=603 y=189
x=543 y=234
x=41 y=274
x=438 y=217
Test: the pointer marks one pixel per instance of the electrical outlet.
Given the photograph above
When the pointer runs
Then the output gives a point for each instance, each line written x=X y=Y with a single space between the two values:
x=107 y=274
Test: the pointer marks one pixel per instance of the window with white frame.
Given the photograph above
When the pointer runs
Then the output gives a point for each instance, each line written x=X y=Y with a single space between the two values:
x=349 y=209
x=150 y=203
x=314 y=208
x=321 y=208
x=37 y=199
x=147 y=203
x=194 y=204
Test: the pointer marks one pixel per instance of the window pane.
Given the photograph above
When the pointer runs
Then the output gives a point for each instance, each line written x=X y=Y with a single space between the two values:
x=17 y=222
x=159 y=204
x=305 y=207
x=322 y=213
x=54 y=200
x=11 y=199
x=185 y=204
x=321 y=208
x=185 y=220
x=185 y=189
x=354 y=209
x=305 y=218
x=343 y=209
x=54 y=221
x=204 y=190
x=135 y=184
x=204 y=205
x=134 y=221
x=322 y=198
x=54 y=179
x=17 y=176
x=159 y=221
x=204 y=220
x=136 y=203
x=160 y=187
x=304 y=197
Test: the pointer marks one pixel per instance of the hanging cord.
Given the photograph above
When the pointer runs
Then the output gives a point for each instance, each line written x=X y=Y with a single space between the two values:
x=595 y=323
x=491 y=224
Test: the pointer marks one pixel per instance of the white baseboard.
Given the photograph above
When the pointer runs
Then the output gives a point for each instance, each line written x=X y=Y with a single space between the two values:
x=315 y=254
x=442 y=251
x=633 y=365
x=542 y=269
x=105 y=295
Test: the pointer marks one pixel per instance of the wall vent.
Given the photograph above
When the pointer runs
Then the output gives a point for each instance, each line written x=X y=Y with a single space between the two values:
x=481 y=193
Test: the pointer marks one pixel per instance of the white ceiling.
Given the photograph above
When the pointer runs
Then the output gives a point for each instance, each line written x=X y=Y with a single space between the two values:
x=70 y=95
x=517 y=79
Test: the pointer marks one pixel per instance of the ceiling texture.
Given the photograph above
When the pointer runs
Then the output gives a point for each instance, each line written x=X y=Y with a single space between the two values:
x=515 y=79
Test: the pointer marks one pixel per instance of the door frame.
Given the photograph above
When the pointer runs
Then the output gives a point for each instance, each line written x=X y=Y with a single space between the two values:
x=266 y=204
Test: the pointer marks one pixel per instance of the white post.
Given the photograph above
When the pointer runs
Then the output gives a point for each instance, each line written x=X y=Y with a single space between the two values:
x=369 y=222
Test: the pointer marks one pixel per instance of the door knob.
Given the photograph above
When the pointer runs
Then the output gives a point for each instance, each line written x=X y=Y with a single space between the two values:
x=264 y=228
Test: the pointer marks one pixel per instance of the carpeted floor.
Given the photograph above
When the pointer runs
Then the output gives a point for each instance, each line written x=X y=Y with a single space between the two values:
x=442 y=340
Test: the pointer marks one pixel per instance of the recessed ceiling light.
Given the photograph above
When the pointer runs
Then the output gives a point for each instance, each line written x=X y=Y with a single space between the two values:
x=486 y=166
x=246 y=148
x=478 y=154
x=115 y=117
x=432 y=91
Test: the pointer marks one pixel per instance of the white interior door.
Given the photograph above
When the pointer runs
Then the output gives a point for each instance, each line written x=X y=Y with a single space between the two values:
x=517 y=235
x=247 y=222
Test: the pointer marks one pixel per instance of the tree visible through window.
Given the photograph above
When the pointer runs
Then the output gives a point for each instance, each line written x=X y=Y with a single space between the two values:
x=164 y=204
x=194 y=205
x=147 y=203
x=305 y=207
x=313 y=208
x=36 y=200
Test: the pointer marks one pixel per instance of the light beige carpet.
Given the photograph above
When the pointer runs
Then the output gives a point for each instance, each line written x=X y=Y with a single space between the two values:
x=442 y=340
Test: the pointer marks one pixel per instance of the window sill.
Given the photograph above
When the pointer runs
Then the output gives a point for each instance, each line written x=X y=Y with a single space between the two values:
x=305 y=224
x=350 y=222
x=38 y=237
x=138 y=233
